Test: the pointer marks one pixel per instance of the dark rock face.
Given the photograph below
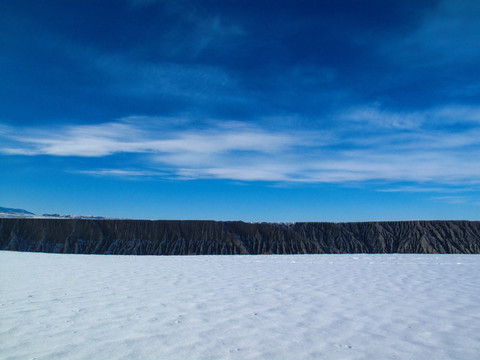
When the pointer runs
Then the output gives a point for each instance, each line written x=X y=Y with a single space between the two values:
x=143 y=237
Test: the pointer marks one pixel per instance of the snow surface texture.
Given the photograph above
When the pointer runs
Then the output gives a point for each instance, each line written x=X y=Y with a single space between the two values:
x=55 y=306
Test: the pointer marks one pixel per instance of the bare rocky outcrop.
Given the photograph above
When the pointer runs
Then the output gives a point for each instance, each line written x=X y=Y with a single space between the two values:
x=143 y=237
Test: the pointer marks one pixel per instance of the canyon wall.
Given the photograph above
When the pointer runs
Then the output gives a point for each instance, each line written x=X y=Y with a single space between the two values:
x=144 y=237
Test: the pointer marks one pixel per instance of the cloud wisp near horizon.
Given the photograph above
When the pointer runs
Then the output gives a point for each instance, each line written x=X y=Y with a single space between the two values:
x=372 y=95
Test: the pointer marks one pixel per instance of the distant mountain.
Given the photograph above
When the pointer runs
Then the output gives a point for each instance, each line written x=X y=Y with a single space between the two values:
x=63 y=216
x=20 y=213
x=15 y=211
x=144 y=237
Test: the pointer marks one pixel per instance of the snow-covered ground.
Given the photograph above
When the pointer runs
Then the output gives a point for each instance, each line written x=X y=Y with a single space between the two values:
x=239 y=307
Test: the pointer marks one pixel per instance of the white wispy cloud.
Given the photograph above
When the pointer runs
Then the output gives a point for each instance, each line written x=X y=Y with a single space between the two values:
x=458 y=113
x=123 y=173
x=374 y=115
x=453 y=199
x=381 y=145
x=422 y=189
x=128 y=137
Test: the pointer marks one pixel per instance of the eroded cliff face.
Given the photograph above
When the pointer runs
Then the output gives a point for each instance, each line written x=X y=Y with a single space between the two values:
x=142 y=237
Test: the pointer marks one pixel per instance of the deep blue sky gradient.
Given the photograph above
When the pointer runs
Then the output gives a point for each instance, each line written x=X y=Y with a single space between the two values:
x=256 y=111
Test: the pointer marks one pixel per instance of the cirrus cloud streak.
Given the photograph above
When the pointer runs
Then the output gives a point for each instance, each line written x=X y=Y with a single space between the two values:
x=365 y=145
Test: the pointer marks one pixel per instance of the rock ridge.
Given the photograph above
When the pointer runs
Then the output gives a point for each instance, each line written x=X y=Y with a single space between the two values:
x=202 y=237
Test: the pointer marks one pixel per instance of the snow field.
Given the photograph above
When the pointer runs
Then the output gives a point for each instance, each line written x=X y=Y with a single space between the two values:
x=55 y=306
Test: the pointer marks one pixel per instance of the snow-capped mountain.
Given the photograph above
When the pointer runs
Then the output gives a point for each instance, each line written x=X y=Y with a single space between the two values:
x=21 y=214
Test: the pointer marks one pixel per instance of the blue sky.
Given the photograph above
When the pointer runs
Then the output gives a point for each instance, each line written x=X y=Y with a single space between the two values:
x=241 y=110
